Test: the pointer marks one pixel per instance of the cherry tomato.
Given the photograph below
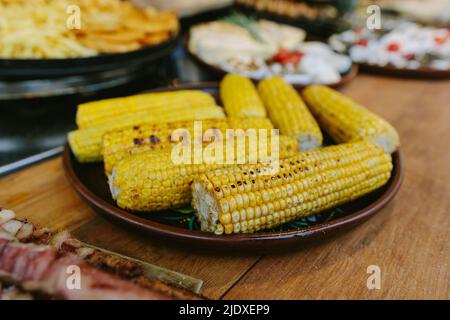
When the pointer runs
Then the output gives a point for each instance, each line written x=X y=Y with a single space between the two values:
x=393 y=47
x=361 y=42
x=441 y=39
x=283 y=56
x=409 y=56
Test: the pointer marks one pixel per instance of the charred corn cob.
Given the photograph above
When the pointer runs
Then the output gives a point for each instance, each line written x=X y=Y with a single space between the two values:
x=288 y=113
x=242 y=199
x=104 y=111
x=120 y=144
x=154 y=181
x=86 y=143
x=345 y=120
x=240 y=98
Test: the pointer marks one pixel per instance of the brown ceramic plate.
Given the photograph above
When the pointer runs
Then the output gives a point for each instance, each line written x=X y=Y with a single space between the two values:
x=345 y=78
x=389 y=70
x=179 y=225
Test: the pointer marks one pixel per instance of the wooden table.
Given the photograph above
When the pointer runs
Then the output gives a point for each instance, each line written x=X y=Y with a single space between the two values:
x=408 y=240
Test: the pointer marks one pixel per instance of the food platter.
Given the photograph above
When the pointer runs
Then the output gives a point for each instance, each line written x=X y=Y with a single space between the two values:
x=179 y=226
x=89 y=181
x=263 y=48
x=404 y=49
x=57 y=68
x=321 y=26
x=345 y=78
x=108 y=34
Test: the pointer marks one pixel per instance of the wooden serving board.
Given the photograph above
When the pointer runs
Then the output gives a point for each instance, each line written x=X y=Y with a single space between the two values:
x=408 y=239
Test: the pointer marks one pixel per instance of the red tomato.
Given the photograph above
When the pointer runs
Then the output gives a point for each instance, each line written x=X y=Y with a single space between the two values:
x=409 y=56
x=283 y=56
x=295 y=57
x=393 y=47
x=361 y=42
x=441 y=40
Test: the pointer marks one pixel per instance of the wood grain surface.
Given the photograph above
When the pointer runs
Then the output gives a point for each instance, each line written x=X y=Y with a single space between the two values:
x=409 y=240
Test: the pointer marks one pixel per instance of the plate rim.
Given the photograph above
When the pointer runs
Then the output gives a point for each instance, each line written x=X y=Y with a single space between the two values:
x=390 y=70
x=246 y=241
x=175 y=37
x=167 y=231
x=27 y=69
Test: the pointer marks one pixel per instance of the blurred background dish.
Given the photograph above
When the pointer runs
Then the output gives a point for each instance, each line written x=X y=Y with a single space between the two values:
x=80 y=28
x=185 y=8
x=430 y=12
x=400 y=45
x=320 y=18
x=262 y=48
x=47 y=68
x=111 y=34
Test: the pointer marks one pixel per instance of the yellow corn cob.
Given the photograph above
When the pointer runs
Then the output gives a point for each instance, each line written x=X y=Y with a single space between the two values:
x=243 y=199
x=345 y=120
x=99 y=112
x=153 y=181
x=120 y=144
x=289 y=113
x=240 y=98
x=86 y=143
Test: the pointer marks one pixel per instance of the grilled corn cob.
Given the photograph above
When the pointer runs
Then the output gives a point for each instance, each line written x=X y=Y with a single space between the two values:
x=240 y=98
x=103 y=111
x=240 y=199
x=86 y=143
x=345 y=120
x=153 y=181
x=288 y=113
x=120 y=144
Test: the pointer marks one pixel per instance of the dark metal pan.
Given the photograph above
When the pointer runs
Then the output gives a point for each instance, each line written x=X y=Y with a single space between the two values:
x=26 y=69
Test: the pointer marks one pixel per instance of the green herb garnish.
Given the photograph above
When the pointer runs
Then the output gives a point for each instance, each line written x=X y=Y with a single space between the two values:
x=248 y=23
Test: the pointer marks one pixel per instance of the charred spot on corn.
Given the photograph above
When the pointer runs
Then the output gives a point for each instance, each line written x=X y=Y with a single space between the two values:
x=86 y=142
x=121 y=143
x=154 y=139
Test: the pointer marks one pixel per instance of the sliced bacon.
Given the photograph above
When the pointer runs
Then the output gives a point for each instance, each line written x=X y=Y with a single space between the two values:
x=126 y=269
x=41 y=236
x=33 y=265
x=122 y=267
x=42 y=268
